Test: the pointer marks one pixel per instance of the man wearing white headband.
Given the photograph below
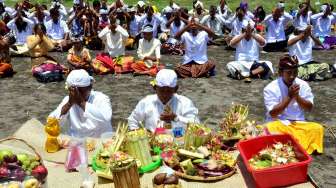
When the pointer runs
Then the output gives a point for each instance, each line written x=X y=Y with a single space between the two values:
x=148 y=53
x=198 y=10
x=85 y=112
x=165 y=107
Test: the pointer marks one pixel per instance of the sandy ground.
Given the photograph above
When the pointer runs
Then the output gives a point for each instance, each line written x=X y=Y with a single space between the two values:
x=22 y=98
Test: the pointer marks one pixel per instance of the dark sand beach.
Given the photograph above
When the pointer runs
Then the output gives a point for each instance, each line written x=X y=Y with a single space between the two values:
x=23 y=98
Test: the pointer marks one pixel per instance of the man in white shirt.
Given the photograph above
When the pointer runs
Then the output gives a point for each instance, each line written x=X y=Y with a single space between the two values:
x=39 y=15
x=223 y=10
x=114 y=37
x=301 y=44
x=236 y=22
x=152 y=111
x=173 y=46
x=275 y=30
x=134 y=27
x=151 y=19
x=58 y=30
x=21 y=27
x=322 y=26
x=216 y=23
x=85 y=112
x=286 y=100
x=302 y=18
x=198 y=10
x=148 y=53
x=195 y=61
x=247 y=64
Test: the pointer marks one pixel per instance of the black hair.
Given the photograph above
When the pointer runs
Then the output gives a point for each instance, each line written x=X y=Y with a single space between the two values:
x=40 y=26
x=54 y=11
x=212 y=7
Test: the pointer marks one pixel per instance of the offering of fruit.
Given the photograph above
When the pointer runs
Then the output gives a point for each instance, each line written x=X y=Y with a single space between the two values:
x=4 y=153
x=277 y=154
x=196 y=135
x=17 y=167
x=163 y=141
x=31 y=183
x=40 y=172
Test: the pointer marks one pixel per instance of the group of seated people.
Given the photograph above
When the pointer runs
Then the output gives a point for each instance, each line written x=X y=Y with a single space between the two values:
x=88 y=113
x=35 y=30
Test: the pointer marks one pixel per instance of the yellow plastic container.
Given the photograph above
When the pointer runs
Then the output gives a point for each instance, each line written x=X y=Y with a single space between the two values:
x=52 y=129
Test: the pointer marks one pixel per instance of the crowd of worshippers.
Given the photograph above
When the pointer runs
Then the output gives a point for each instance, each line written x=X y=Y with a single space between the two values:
x=35 y=30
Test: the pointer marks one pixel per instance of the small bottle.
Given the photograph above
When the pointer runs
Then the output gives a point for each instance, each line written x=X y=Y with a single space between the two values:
x=52 y=129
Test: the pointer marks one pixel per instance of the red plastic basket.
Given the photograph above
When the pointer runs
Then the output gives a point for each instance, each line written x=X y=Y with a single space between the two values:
x=283 y=175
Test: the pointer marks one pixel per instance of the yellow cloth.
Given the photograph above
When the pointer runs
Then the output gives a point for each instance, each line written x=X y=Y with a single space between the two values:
x=37 y=49
x=309 y=134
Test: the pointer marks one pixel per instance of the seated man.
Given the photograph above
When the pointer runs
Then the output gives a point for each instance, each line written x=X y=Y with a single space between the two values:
x=173 y=46
x=148 y=53
x=151 y=19
x=85 y=112
x=198 y=10
x=152 y=110
x=286 y=99
x=195 y=63
x=78 y=56
x=247 y=64
x=58 y=31
x=114 y=38
x=275 y=30
x=236 y=22
x=22 y=27
x=301 y=45
x=303 y=16
x=216 y=24
x=134 y=29
x=322 y=23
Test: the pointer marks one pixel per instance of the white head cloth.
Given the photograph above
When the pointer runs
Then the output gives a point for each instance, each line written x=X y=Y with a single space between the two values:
x=199 y=3
x=324 y=8
x=147 y=29
x=79 y=78
x=141 y=3
x=103 y=11
x=166 y=78
x=281 y=5
x=76 y=2
x=167 y=9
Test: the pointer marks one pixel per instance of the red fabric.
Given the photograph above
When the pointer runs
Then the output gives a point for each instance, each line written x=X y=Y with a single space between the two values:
x=125 y=66
x=6 y=69
x=106 y=59
x=141 y=68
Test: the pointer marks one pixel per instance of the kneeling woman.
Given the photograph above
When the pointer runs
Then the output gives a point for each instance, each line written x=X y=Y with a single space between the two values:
x=39 y=45
x=163 y=107
x=286 y=99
